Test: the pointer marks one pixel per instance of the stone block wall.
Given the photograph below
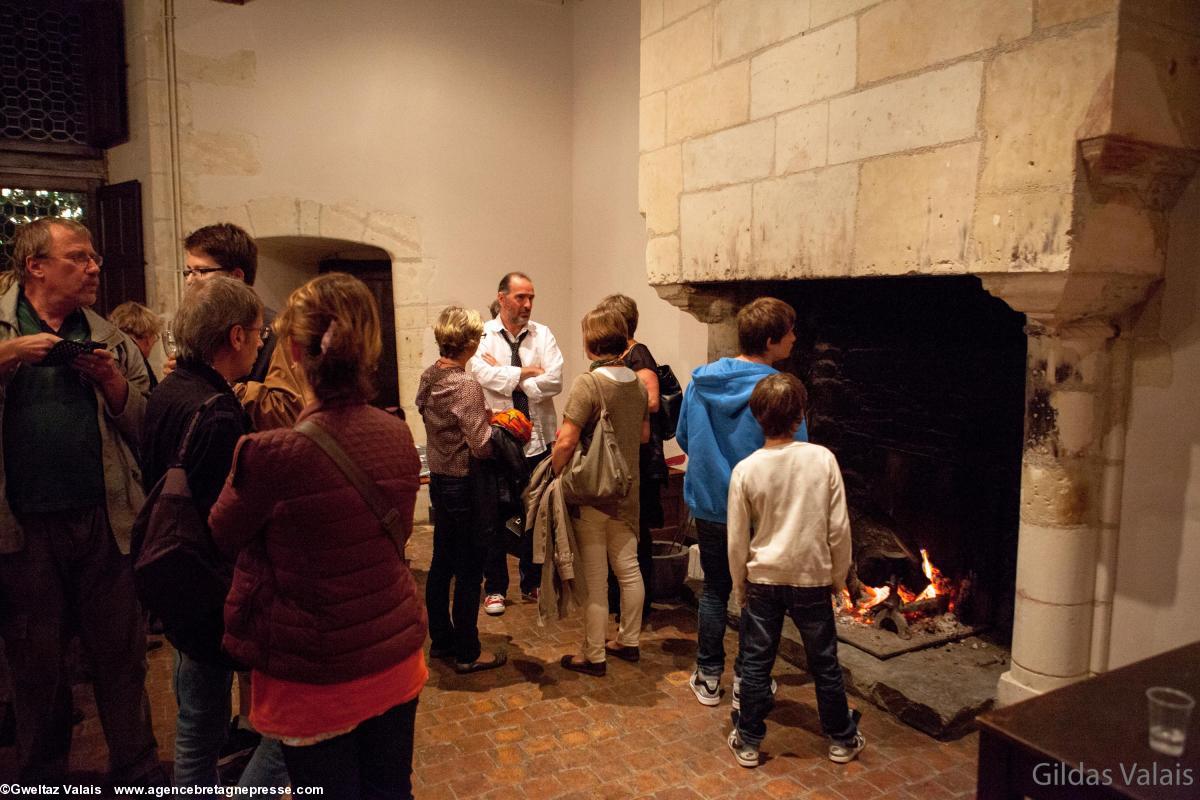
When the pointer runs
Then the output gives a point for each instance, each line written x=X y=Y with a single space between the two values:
x=832 y=138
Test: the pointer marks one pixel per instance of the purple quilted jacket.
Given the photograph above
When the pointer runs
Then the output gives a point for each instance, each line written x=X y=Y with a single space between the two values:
x=319 y=594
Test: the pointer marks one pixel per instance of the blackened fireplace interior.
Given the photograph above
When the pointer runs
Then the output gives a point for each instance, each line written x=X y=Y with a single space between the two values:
x=917 y=384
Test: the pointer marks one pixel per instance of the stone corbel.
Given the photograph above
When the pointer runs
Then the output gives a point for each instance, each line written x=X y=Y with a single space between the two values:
x=1154 y=173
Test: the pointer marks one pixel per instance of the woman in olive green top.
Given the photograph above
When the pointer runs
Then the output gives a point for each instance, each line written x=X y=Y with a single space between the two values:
x=607 y=534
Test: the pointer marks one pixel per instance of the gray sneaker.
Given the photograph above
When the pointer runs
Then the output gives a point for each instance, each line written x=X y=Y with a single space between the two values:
x=709 y=694
x=737 y=691
x=845 y=753
x=746 y=754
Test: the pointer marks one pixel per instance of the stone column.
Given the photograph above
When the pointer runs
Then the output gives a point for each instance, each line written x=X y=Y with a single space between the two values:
x=1067 y=395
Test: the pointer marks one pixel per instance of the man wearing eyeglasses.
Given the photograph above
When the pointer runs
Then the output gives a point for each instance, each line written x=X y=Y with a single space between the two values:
x=69 y=492
x=274 y=391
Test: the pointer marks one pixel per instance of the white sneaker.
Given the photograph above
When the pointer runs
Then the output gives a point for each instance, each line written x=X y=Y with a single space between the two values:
x=746 y=754
x=844 y=754
x=493 y=604
x=709 y=694
x=737 y=691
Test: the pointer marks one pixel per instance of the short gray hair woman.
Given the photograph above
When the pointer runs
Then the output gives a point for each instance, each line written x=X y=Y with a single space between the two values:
x=218 y=329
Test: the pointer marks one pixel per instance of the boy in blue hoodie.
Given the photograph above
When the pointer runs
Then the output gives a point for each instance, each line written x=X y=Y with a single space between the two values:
x=717 y=430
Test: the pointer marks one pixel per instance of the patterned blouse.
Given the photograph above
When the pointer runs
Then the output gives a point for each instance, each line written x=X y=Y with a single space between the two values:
x=457 y=420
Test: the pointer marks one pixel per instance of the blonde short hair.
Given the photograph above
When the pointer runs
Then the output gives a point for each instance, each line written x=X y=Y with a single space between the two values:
x=207 y=312
x=334 y=320
x=135 y=320
x=456 y=330
x=605 y=334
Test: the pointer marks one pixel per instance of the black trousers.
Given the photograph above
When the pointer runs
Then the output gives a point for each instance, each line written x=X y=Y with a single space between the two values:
x=461 y=531
x=373 y=761
x=71 y=576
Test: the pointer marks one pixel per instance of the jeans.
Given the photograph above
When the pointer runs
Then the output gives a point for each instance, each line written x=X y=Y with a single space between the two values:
x=71 y=577
x=372 y=761
x=762 y=623
x=495 y=568
x=459 y=547
x=604 y=541
x=714 y=599
x=202 y=694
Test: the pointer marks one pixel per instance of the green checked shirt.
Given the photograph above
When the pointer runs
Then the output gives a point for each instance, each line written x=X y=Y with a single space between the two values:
x=52 y=446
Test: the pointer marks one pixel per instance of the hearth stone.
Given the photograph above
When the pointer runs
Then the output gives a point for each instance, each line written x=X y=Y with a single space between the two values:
x=884 y=644
x=939 y=690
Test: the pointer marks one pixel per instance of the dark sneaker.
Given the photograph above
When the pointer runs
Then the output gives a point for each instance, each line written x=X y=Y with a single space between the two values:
x=737 y=691
x=746 y=754
x=845 y=753
x=708 y=693
x=530 y=596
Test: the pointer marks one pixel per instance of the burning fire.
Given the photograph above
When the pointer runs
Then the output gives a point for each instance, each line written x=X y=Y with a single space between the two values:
x=938 y=586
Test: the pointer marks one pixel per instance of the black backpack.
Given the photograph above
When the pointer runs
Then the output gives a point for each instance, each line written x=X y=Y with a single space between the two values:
x=179 y=574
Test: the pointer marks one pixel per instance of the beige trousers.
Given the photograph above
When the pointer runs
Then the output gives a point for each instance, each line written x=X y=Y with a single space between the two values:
x=604 y=540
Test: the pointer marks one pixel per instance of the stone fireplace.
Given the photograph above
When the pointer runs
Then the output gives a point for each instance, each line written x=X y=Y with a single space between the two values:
x=966 y=206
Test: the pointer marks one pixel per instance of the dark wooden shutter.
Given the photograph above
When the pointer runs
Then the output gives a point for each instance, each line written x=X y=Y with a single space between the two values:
x=104 y=72
x=118 y=228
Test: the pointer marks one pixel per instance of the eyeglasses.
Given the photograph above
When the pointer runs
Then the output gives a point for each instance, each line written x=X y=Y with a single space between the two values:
x=188 y=272
x=264 y=331
x=80 y=259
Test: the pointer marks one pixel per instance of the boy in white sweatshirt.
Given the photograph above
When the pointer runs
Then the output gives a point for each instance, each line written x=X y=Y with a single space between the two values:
x=789 y=550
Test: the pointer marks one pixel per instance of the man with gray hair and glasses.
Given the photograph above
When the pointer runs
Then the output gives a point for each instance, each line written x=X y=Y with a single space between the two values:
x=72 y=398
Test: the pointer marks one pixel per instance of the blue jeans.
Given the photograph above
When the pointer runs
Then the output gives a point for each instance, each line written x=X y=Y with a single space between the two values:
x=460 y=533
x=762 y=623
x=202 y=694
x=714 y=599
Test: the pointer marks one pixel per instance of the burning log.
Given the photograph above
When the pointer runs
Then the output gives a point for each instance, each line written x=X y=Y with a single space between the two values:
x=881 y=559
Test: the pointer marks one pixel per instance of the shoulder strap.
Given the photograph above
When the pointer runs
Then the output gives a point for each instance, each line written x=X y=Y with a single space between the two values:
x=599 y=393
x=186 y=443
x=388 y=516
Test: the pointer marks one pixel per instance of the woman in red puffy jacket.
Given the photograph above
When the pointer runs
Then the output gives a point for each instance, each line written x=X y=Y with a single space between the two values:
x=323 y=607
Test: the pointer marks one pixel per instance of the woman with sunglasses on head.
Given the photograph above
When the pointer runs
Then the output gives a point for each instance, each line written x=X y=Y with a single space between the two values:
x=324 y=608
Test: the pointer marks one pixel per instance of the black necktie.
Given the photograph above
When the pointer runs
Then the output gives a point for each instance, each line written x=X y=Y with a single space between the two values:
x=520 y=400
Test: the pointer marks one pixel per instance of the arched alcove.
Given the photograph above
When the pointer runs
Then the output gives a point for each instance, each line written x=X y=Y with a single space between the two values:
x=287 y=262
x=295 y=235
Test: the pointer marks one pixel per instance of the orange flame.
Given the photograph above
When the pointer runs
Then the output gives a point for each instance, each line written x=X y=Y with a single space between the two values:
x=873 y=596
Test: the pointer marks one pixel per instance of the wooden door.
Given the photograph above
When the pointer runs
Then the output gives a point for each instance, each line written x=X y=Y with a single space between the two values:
x=377 y=275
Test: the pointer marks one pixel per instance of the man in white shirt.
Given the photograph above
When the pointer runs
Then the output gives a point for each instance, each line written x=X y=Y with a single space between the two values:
x=519 y=366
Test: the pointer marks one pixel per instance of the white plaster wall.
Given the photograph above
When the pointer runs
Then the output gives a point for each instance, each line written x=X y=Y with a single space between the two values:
x=609 y=247
x=454 y=112
x=1158 y=574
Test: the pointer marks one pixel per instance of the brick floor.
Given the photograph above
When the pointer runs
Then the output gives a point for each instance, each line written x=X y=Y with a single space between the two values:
x=532 y=729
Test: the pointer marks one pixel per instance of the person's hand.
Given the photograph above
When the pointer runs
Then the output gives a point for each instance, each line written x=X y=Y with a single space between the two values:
x=99 y=367
x=531 y=372
x=168 y=366
x=490 y=359
x=33 y=348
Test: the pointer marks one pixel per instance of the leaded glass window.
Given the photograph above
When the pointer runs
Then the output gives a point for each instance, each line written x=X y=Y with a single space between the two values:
x=23 y=205
x=43 y=96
